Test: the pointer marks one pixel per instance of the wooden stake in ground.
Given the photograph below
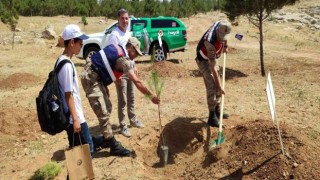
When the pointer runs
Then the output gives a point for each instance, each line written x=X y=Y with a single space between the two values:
x=272 y=107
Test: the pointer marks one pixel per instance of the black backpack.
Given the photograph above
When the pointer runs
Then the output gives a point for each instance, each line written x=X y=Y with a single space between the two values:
x=51 y=116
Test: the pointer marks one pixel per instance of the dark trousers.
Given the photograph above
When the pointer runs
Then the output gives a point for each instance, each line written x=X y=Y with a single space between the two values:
x=84 y=136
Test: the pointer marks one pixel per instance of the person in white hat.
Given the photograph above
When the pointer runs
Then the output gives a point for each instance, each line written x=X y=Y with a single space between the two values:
x=209 y=49
x=69 y=87
x=104 y=68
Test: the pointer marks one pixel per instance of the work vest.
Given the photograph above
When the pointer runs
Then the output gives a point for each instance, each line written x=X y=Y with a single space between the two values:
x=211 y=37
x=104 y=63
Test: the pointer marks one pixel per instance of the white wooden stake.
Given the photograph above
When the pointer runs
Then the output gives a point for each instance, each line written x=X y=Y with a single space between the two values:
x=272 y=107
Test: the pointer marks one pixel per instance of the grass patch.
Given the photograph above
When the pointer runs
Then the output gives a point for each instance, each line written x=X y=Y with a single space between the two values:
x=48 y=171
x=35 y=147
x=313 y=134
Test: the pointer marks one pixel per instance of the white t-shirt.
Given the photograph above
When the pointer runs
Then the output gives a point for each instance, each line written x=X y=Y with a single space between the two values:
x=68 y=83
x=119 y=37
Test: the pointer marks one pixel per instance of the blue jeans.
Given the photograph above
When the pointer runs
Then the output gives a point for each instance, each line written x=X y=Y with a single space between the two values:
x=84 y=135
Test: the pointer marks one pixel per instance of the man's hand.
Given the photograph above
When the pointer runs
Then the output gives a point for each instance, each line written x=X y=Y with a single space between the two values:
x=76 y=125
x=225 y=49
x=220 y=91
x=155 y=100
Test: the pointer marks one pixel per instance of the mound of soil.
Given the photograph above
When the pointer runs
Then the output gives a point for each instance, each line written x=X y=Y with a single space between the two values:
x=250 y=150
x=165 y=69
x=23 y=124
x=18 y=80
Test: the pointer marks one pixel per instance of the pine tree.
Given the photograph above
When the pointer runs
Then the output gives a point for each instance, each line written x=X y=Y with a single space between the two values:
x=9 y=16
x=256 y=11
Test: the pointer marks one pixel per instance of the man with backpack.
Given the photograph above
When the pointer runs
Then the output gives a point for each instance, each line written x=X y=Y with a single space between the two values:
x=104 y=68
x=69 y=88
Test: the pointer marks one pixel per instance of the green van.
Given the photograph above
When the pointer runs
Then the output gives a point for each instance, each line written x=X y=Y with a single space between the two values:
x=152 y=32
x=171 y=30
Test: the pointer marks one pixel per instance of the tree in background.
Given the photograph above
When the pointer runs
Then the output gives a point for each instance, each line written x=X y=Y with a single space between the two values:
x=152 y=8
x=84 y=21
x=9 y=16
x=137 y=8
x=28 y=7
x=256 y=11
x=108 y=8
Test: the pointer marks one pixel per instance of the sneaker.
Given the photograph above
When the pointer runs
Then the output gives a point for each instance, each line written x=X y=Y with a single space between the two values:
x=125 y=132
x=136 y=123
x=99 y=142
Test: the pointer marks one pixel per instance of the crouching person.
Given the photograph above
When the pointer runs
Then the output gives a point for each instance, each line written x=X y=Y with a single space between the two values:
x=105 y=67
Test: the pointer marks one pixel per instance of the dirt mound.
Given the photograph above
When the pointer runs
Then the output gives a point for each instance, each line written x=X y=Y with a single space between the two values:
x=250 y=150
x=23 y=124
x=18 y=80
x=166 y=69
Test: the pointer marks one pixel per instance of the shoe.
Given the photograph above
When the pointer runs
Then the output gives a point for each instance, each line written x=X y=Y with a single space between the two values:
x=224 y=116
x=136 y=123
x=99 y=142
x=125 y=132
x=212 y=119
x=116 y=149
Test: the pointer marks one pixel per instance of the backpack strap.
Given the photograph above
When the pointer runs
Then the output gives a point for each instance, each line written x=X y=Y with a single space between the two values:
x=60 y=65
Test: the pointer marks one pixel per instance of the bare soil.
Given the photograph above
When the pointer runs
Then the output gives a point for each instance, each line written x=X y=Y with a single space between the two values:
x=251 y=147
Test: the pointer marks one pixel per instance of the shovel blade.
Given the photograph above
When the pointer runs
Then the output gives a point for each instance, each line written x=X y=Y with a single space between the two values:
x=216 y=142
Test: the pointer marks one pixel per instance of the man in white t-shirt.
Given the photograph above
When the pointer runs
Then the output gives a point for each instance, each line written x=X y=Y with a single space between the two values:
x=124 y=86
x=121 y=34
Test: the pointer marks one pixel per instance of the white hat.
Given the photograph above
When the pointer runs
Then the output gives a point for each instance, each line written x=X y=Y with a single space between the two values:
x=224 y=30
x=136 y=44
x=72 y=31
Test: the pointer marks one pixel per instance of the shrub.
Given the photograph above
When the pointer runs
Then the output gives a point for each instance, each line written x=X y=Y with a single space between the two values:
x=48 y=171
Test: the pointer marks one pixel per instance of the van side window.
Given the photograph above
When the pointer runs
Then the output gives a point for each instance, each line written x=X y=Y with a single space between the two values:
x=108 y=31
x=144 y=22
x=164 y=23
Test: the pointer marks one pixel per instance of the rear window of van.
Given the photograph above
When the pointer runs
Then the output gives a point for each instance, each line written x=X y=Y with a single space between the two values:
x=164 y=23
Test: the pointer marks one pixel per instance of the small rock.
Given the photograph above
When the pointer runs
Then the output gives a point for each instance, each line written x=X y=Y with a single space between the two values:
x=284 y=174
x=45 y=141
x=25 y=151
x=18 y=30
x=295 y=165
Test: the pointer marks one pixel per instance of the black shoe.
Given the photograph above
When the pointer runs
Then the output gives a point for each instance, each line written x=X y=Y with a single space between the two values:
x=217 y=110
x=99 y=143
x=213 y=120
x=116 y=149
